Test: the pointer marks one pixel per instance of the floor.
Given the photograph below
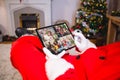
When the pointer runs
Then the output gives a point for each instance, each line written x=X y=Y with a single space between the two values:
x=7 y=71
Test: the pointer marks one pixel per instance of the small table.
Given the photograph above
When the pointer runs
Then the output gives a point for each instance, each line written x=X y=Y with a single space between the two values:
x=113 y=23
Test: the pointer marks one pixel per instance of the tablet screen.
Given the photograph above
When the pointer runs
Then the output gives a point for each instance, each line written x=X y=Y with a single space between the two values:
x=56 y=37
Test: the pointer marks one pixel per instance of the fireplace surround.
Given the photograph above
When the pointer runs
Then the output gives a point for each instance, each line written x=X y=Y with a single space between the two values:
x=41 y=9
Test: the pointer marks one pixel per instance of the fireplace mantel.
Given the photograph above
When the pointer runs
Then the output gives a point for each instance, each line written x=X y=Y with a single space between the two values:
x=14 y=6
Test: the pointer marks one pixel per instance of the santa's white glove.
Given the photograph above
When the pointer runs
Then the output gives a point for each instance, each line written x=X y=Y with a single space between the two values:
x=55 y=65
x=81 y=42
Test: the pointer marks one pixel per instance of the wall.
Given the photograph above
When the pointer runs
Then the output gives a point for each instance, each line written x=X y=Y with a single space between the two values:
x=61 y=10
x=3 y=18
x=112 y=7
x=64 y=10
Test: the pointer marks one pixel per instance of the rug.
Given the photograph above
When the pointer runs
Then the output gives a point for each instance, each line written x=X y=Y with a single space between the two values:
x=7 y=71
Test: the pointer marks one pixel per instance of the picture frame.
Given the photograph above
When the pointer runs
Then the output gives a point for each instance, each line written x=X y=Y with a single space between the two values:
x=56 y=37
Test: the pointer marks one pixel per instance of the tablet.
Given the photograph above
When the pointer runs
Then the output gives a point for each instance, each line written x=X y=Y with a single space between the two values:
x=56 y=37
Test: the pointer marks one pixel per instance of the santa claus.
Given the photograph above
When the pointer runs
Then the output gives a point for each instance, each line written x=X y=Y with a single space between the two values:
x=36 y=62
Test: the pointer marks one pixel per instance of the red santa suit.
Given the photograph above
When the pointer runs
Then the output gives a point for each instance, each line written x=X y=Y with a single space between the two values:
x=102 y=63
x=28 y=58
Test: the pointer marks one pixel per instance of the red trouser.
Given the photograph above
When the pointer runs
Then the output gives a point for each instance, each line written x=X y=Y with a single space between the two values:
x=27 y=56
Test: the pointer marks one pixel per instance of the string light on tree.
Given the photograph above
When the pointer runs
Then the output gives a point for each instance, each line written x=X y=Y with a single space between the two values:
x=91 y=17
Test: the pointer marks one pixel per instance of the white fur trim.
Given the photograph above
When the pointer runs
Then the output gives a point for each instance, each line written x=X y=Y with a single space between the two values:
x=56 y=67
x=89 y=45
x=48 y=53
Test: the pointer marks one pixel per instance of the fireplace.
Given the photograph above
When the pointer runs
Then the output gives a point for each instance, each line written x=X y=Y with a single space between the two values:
x=29 y=14
x=29 y=21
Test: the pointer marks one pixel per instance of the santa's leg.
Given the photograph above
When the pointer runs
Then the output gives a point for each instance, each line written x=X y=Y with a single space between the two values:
x=28 y=58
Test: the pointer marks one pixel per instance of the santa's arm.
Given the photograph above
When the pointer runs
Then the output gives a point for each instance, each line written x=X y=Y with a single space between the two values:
x=55 y=65
x=81 y=42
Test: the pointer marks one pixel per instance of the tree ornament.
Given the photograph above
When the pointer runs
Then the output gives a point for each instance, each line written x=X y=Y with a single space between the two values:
x=91 y=17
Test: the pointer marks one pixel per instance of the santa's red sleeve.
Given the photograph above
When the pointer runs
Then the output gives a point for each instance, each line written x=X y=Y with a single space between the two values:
x=78 y=73
x=28 y=58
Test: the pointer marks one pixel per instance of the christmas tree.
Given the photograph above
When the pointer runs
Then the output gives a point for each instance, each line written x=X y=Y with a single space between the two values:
x=91 y=18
